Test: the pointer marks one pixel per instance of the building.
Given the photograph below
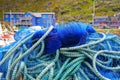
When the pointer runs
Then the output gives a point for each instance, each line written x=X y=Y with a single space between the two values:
x=110 y=21
x=12 y=17
x=113 y=22
x=100 y=21
x=43 y=19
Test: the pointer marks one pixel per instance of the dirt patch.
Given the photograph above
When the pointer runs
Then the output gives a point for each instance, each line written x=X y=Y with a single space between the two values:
x=111 y=31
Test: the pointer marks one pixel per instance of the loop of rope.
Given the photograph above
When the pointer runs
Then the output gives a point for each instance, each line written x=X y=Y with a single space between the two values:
x=82 y=62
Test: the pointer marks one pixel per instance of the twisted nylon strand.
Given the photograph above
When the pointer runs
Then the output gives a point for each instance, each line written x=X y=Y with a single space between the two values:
x=94 y=62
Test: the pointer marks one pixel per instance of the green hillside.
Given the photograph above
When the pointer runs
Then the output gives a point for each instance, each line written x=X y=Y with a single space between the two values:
x=68 y=10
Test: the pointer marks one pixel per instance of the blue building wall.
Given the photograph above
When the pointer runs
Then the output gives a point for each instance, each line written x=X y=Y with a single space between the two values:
x=45 y=20
x=110 y=21
x=27 y=14
x=34 y=21
x=48 y=19
x=12 y=16
x=37 y=19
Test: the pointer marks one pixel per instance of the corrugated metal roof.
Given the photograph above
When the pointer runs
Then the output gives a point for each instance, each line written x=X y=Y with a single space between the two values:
x=13 y=12
x=101 y=16
x=38 y=14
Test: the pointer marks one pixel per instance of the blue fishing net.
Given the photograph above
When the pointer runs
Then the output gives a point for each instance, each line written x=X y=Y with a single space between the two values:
x=67 y=52
x=73 y=33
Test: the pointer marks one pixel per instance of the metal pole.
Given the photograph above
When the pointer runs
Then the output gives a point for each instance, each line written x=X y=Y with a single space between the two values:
x=2 y=24
x=3 y=15
x=10 y=18
x=93 y=12
x=1 y=32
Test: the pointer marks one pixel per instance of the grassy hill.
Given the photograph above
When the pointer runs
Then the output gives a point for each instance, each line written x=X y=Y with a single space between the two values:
x=67 y=10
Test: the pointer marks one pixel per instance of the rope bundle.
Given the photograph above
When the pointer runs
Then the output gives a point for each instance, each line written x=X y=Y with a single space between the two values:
x=97 y=59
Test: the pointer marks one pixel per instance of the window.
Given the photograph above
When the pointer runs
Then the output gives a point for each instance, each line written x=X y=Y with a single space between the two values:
x=44 y=21
x=44 y=16
x=11 y=16
x=17 y=16
x=12 y=21
x=49 y=16
x=6 y=16
x=38 y=20
x=30 y=16
x=49 y=21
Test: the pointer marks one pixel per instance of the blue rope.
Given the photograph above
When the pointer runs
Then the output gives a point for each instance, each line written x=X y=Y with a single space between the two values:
x=70 y=51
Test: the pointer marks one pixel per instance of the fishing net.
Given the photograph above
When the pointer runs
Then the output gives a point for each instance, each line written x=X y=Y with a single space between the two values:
x=70 y=51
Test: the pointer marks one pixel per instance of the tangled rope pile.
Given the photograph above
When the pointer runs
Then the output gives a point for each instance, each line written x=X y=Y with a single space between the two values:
x=33 y=57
